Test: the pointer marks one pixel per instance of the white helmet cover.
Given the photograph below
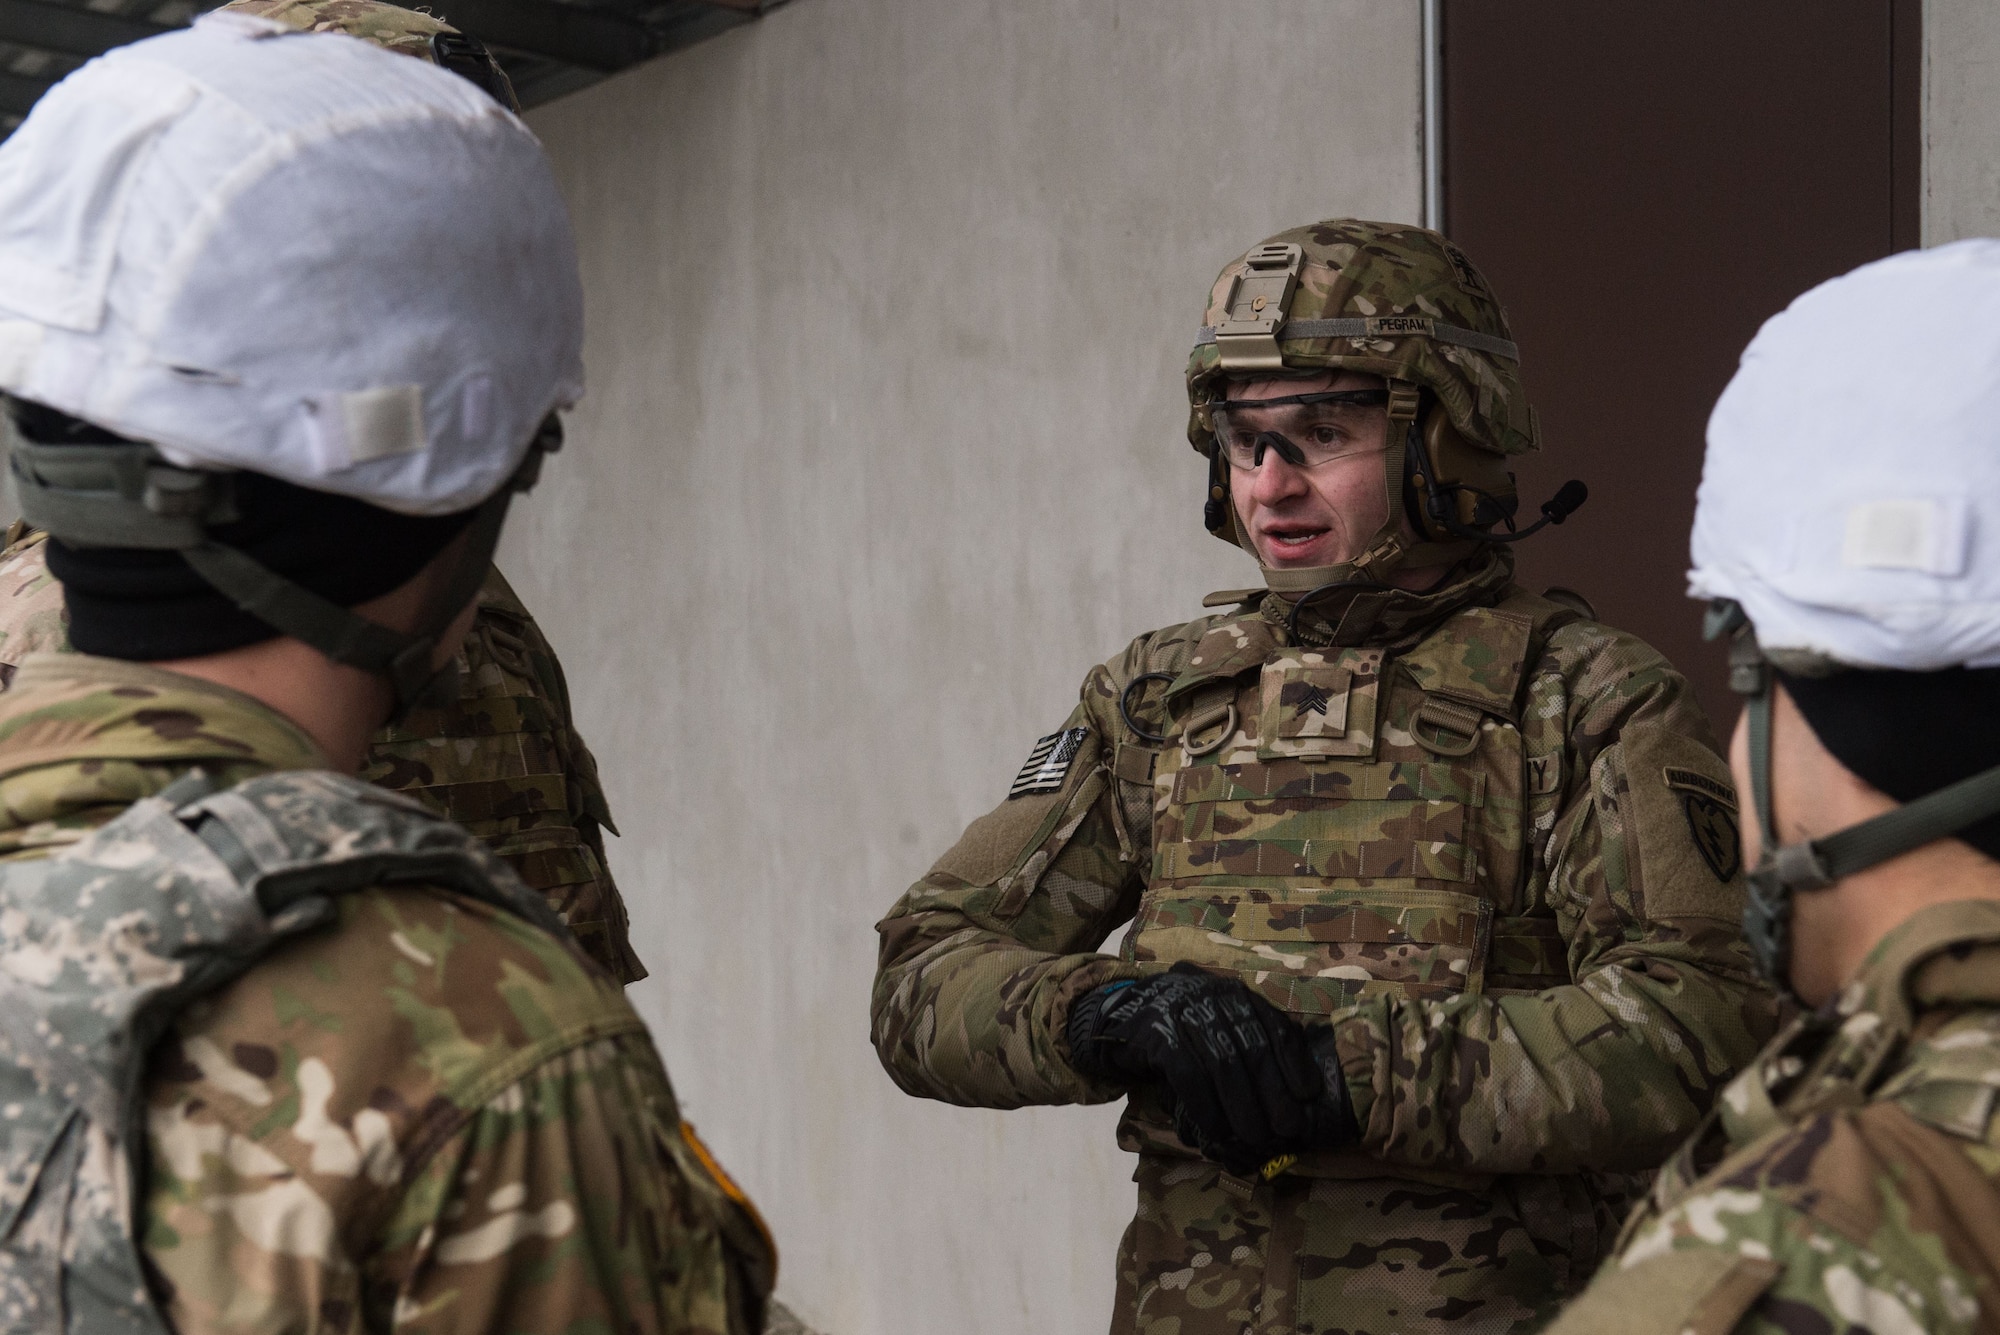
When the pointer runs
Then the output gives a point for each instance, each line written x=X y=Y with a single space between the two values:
x=291 y=253
x=1850 y=499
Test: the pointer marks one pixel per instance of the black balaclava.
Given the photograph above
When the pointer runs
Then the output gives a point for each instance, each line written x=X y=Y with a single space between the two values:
x=1909 y=734
x=149 y=606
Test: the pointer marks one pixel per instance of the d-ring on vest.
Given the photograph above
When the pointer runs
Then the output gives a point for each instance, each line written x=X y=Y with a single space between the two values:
x=1361 y=825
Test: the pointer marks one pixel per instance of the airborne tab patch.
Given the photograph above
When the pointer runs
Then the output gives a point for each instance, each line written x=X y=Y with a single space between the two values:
x=1048 y=762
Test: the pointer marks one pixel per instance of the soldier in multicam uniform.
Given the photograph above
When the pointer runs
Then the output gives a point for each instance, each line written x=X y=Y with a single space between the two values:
x=1849 y=1179
x=1443 y=870
x=505 y=760
x=280 y=1050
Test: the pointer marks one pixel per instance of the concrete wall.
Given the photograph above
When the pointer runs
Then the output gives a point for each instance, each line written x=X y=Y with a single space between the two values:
x=1961 y=119
x=883 y=449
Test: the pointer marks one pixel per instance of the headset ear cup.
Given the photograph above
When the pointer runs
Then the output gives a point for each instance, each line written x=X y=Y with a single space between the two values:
x=1218 y=507
x=1428 y=472
x=1417 y=486
x=1477 y=481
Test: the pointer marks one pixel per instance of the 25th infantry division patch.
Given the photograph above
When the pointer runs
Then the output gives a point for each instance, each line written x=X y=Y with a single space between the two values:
x=1711 y=816
x=1048 y=762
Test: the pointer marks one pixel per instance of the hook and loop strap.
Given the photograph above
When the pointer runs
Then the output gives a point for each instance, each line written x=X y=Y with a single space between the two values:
x=296 y=611
x=1944 y=812
x=115 y=495
x=1760 y=762
x=125 y=495
x=1820 y=862
x=1386 y=326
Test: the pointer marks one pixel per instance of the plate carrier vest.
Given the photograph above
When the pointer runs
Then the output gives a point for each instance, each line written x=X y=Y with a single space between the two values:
x=1331 y=824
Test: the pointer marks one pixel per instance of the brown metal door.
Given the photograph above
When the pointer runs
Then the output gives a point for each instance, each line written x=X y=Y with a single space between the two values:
x=1644 y=183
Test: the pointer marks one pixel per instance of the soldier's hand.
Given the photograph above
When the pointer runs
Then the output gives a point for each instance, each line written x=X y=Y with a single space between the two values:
x=1333 y=1112
x=1239 y=1073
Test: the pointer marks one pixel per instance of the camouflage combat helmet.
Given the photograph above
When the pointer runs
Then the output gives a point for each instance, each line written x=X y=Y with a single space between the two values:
x=1403 y=303
x=407 y=32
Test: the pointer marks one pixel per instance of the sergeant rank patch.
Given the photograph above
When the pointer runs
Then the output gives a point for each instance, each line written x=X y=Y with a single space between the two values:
x=1710 y=808
x=1048 y=763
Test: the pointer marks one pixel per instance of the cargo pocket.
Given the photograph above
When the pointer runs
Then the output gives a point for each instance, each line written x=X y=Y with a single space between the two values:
x=1529 y=955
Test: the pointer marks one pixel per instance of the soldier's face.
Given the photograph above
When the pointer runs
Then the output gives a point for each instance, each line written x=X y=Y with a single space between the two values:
x=1324 y=513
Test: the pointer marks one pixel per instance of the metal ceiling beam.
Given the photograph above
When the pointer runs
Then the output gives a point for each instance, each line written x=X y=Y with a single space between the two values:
x=73 y=32
x=574 y=36
x=18 y=93
x=589 y=41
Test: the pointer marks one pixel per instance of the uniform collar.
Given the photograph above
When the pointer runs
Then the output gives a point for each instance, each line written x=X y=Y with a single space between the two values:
x=81 y=738
x=1396 y=618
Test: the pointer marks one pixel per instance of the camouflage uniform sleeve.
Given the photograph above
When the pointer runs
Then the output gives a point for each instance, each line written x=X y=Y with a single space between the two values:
x=1609 y=1072
x=982 y=957
x=465 y=1131
x=1830 y=1225
x=567 y=1203
x=32 y=616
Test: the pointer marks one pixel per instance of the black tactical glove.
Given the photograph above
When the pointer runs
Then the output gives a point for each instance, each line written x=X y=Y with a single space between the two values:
x=1333 y=1115
x=1243 y=1082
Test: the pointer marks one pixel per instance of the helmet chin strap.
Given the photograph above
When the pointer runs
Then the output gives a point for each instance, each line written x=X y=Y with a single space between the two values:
x=127 y=495
x=1389 y=549
x=1784 y=870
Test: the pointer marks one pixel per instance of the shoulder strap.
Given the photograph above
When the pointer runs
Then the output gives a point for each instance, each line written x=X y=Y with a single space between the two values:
x=1479 y=656
x=1227 y=645
x=1550 y=611
x=104 y=944
x=302 y=835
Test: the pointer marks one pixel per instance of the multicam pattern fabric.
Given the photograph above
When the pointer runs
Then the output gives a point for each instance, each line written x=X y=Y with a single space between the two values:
x=505 y=761
x=32 y=618
x=433 y=1116
x=404 y=31
x=1849 y=1179
x=407 y=32
x=1383 y=271
x=103 y=943
x=1208 y=1252
x=1480 y=878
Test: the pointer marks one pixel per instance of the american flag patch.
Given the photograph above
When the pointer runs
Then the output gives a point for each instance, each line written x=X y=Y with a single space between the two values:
x=1048 y=763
